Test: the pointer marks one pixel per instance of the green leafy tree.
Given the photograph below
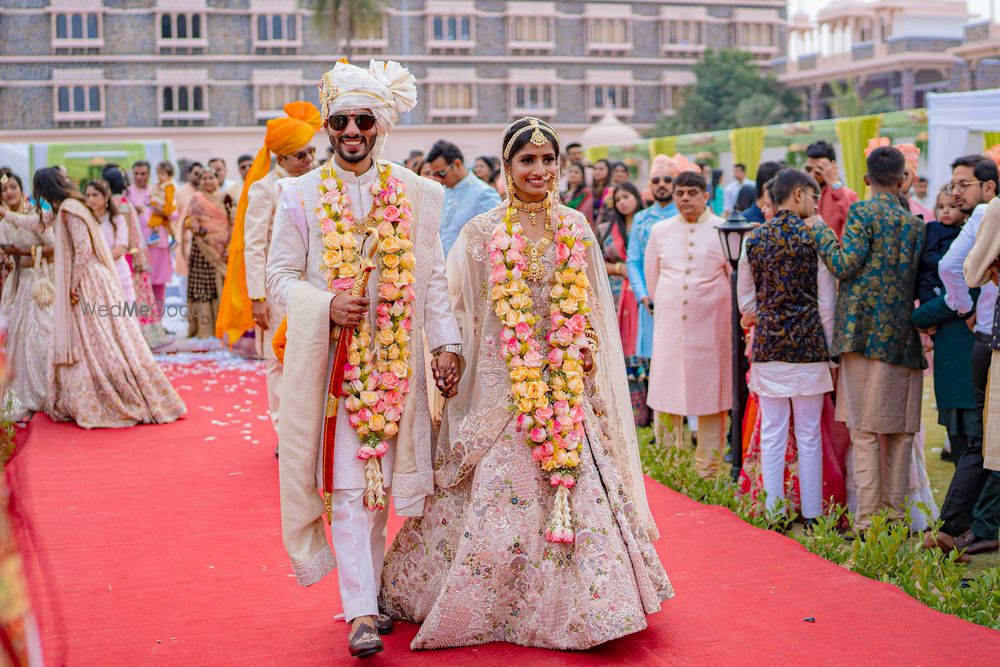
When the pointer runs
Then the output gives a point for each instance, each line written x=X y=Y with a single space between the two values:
x=731 y=92
x=348 y=19
x=847 y=101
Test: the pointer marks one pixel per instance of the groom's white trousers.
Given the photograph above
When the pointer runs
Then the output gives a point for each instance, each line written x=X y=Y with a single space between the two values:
x=359 y=544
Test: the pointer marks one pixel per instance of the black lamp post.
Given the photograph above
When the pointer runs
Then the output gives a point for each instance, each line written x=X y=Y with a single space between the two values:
x=731 y=234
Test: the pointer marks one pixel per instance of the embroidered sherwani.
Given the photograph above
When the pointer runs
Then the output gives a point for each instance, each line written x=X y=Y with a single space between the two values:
x=296 y=280
x=262 y=202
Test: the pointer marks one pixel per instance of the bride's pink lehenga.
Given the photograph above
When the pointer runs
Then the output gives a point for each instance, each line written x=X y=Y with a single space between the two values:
x=476 y=567
x=105 y=375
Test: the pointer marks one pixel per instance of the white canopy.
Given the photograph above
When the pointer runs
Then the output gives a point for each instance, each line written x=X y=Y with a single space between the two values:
x=950 y=119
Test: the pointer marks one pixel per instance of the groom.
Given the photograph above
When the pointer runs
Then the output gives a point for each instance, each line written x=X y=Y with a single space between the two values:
x=358 y=428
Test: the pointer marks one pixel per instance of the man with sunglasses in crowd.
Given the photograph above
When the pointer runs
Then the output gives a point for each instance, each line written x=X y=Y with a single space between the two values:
x=973 y=497
x=311 y=271
x=465 y=196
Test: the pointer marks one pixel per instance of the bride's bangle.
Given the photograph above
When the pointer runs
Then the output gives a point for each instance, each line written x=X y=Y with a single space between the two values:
x=595 y=344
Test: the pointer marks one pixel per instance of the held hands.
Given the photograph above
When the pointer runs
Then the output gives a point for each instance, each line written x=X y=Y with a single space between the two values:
x=347 y=310
x=648 y=303
x=261 y=314
x=587 y=358
x=447 y=372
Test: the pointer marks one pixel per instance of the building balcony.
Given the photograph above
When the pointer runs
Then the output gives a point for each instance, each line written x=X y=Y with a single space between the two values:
x=534 y=47
x=596 y=113
x=694 y=51
x=863 y=51
x=78 y=118
x=920 y=44
x=607 y=48
x=807 y=62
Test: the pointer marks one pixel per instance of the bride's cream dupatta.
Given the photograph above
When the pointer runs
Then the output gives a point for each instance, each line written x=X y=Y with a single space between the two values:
x=66 y=335
x=477 y=415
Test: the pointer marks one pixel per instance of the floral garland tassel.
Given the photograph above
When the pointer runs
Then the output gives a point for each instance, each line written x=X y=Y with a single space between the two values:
x=547 y=391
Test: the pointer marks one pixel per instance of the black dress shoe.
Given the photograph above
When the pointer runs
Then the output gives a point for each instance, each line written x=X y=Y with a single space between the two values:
x=364 y=642
x=384 y=624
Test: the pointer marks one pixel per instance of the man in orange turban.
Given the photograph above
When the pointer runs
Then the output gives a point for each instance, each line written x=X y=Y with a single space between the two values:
x=244 y=301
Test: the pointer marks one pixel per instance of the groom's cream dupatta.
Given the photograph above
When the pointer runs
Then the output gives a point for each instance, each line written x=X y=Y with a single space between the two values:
x=66 y=335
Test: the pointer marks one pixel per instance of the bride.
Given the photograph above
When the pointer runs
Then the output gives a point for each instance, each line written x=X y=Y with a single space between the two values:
x=539 y=532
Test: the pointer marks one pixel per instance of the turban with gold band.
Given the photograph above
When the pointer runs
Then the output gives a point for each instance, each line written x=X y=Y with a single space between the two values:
x=386 y=88
x=284 y=136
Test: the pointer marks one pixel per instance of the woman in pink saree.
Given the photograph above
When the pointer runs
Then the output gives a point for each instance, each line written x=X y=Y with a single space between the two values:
x=207 y=228
x=105 y=375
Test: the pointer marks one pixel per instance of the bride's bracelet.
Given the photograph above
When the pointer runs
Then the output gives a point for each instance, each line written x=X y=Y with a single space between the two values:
x=591 y=335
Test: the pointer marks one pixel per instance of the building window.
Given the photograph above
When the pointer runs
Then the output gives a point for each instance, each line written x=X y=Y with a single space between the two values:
x=272 y=98
x=608 y=34
x=757 y=30
x=533 y=99
x=277 y=33
x=451 y=24
x=452 y=28
x=673 y=99
x=611 y=97
x=532 y=32
x=79 y=106
x=758 y=35
x=684 y=33
x=452 y=100
x=77 y=34
x=182 y=34
x=182 y=105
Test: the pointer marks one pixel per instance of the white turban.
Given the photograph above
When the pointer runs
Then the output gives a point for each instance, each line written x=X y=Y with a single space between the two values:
x=386 y=88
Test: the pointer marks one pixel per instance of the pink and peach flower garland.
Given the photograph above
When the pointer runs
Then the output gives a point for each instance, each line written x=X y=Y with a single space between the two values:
x=547 y=388
x=376 y=378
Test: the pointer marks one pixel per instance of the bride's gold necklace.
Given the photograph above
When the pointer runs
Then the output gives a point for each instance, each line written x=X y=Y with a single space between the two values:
x=536 y=249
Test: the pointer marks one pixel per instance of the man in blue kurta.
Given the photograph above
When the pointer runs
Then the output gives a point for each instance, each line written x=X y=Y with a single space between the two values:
x=662 y=187
x=465 y=195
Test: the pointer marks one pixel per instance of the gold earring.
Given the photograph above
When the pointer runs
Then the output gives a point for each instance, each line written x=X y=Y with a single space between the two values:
x=510 y=185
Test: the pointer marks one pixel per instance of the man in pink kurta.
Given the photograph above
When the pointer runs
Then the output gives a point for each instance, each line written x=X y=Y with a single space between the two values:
x=687 y=276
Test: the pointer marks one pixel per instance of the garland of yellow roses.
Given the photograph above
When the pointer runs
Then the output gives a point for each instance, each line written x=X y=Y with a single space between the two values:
x=376 y=377
x=547 y=391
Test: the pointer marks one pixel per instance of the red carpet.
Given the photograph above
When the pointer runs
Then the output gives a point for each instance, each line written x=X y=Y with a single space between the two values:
x=160 y=545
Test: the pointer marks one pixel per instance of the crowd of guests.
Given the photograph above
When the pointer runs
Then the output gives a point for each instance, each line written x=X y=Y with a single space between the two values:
x=846 y=301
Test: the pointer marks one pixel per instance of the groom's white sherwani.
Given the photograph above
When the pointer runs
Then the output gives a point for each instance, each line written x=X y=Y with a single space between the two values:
x=296 y=281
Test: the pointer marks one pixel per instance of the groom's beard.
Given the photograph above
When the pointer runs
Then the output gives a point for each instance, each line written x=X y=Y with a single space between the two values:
x=355 y=156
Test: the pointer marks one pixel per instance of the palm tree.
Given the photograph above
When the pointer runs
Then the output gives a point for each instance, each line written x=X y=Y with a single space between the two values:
x=348 y=18
x=847 y=101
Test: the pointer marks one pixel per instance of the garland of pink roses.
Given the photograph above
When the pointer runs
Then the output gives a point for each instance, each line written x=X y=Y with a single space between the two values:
x=376 y=378
x=547 y=391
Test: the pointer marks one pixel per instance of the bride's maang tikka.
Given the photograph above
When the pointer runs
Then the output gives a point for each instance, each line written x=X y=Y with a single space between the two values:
x=537 y=128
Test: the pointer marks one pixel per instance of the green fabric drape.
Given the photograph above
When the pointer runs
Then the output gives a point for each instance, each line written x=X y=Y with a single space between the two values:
x=662 y=146
x=990 y=139
x=747 y=144
x=596 y=153
x=853 y=135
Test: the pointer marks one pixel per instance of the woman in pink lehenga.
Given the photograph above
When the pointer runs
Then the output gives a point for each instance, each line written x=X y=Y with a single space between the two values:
x=492 y=558
x=207 y=229
x=105 y=375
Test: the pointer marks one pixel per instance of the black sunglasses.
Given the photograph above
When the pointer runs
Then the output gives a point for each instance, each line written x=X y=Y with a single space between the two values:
x=655 y=180
x=340 y=121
